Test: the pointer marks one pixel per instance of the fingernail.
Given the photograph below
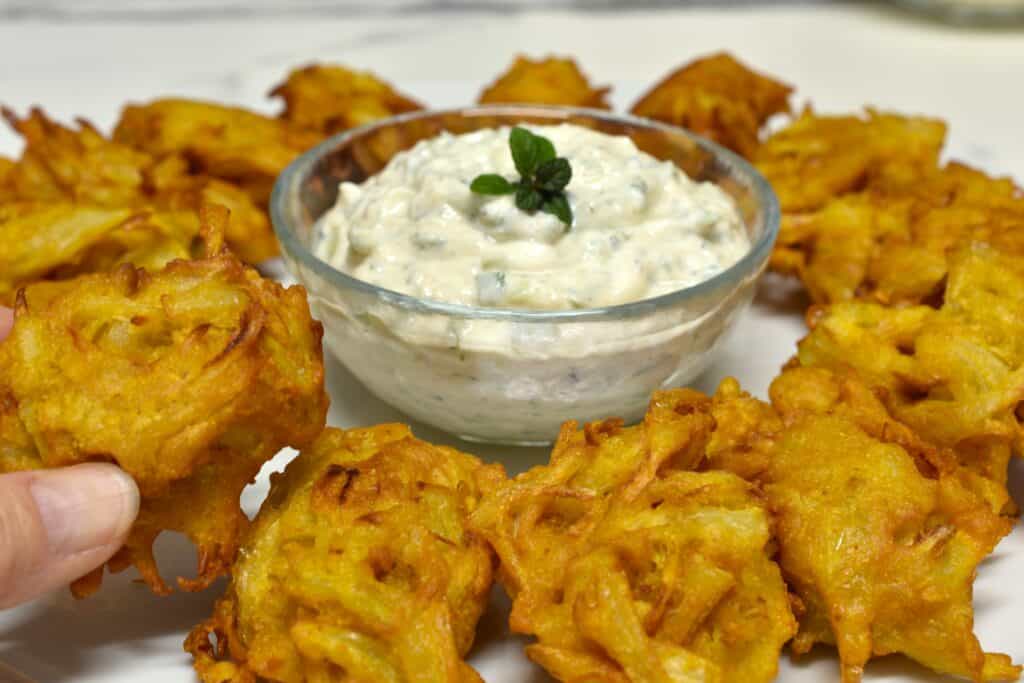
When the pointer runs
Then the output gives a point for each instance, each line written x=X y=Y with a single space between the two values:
x=85 y=506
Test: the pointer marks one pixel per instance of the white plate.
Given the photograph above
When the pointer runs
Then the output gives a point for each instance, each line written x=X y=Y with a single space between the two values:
x=124 y=634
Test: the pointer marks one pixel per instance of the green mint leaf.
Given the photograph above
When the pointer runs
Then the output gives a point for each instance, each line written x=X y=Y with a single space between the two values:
x=525 y=150
x=553 y=175
x=558 y=206
x=491 y=184
x=545 y=149
x=528 y=199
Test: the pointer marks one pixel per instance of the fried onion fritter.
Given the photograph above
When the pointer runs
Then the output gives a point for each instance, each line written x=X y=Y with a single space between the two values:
x=189 y=378
x=626 y=566
x=879 y=545
x=80 y=165
x=892 y=243
x=954 y=375
x=551 y=80
x=38 y=239
x=329 y=99
x=77 y=202
x=230 y=143
x=817 y=158
x=717 y=97
x=359 y=567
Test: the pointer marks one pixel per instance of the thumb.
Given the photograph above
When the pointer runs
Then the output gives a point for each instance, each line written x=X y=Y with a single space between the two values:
x=58 y=525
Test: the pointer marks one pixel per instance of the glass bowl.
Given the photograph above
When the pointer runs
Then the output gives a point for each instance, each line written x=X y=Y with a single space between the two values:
x=509 y=376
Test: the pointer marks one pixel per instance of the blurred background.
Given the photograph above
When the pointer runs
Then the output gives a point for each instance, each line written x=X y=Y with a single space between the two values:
x=996 y=11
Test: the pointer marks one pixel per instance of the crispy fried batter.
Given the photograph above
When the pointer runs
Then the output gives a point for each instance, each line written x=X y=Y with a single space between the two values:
x=229 y=143
x=358 y=568
x=331 y=98
x=817 y=158
x=954 y=375
x=61 y=163
x=880 y=546
x=37 y=239
x=189 y=378
x=718 y=97
x=627 y=567
x=745 y=432
x=893 y=242
x=78 y=203
x=552 y=80
x=6 y=169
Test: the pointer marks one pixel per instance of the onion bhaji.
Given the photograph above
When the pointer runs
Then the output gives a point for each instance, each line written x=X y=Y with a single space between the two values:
x=879 y=540
x=817 y=158
x=359 y=567
x=228 y=143
x=189 y=378
x=77 y=202
x=628 y=566
x=719 y=98
x=892 y=243
x=552 y=80
x=329 y=99
x=954 y=375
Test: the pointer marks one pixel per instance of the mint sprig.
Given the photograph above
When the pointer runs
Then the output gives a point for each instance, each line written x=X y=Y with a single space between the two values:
x=543 y=177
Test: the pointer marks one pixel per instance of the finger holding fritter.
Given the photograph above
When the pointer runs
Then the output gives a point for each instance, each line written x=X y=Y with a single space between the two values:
x=189 y=378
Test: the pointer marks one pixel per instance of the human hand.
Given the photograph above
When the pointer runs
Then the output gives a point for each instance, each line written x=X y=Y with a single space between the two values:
x=58 y=525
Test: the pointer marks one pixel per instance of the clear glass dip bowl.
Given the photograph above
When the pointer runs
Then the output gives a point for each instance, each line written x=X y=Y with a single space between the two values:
x=511 y=376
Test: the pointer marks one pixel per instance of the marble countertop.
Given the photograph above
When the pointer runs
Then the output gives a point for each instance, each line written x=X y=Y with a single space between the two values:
x=88 y=61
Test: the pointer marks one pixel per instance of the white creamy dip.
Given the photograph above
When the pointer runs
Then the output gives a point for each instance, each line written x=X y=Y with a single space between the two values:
x=642 y=228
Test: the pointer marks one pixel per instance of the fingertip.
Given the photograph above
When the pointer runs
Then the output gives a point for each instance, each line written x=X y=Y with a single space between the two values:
x=85 y=507
x=120 y=487
x=59 y=525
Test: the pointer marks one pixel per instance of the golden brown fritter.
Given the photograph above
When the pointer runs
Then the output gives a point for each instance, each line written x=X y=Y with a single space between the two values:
x=817 y=158
x=329 y=99
x=954 y=375
x=76 y=164
x=893 y=242
x=77 y=203
x=6 y=169
x=628 y=567
x=189 y=378
x=717 y=97
x=745 y=433
x=552 y=80
x=230 y=143
x=359 y=567
x=880 y=546
x=39 y=241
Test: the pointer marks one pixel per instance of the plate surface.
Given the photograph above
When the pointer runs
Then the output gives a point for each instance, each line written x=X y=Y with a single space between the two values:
x=124 y=634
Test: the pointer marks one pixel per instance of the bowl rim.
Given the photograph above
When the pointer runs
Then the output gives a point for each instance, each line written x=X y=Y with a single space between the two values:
x=286 y=186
